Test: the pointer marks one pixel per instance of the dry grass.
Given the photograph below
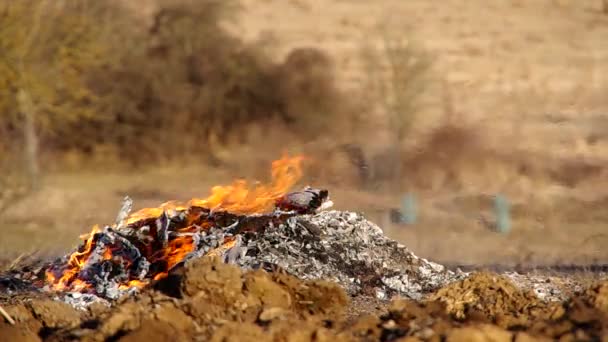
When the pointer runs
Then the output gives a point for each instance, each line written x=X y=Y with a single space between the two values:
x=524 y=108
x=507 y=81
x=525 y=105
x=448 y=230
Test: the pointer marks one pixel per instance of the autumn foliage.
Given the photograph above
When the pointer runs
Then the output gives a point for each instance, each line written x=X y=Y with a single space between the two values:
x=94 y=75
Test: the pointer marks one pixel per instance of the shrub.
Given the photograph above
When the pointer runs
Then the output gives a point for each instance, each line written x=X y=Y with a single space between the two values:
x=45 y=49
x=158 y=92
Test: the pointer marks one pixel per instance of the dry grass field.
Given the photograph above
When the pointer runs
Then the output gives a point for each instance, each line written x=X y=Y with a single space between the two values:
x=454 y=103
x=529 y=79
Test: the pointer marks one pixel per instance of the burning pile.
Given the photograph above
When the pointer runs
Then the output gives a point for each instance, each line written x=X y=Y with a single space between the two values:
x=264 y=226
x=146 y=245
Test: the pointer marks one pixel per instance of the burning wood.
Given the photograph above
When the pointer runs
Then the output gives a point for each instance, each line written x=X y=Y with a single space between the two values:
x=145 y=246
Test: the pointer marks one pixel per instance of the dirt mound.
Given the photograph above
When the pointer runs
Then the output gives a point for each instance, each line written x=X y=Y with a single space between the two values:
x=488 y=307
x=583 y=317
x=204 y=299
x=208 y=300
x=597 y=297
x=492 y=297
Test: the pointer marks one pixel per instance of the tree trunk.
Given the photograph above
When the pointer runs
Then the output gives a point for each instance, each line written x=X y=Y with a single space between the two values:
x=26 y=108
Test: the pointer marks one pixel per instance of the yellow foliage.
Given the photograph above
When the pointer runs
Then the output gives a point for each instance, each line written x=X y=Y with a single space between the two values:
x=92 y=74
x=47 y=47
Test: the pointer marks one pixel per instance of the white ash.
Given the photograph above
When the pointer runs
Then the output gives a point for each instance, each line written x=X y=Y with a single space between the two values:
x=546 y=288
x=81 y=301
x=346 y=248
x=337 y=246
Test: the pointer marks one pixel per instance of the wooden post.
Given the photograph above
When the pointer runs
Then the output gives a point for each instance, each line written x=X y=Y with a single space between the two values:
x=408 y=209
x=503 y=216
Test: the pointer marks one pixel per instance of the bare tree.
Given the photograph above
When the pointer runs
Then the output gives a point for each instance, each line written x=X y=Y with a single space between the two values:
x=45 y=45
x=399 y=73
x=25 y=106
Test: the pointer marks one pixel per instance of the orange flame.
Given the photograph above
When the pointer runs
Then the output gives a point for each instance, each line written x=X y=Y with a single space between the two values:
x=155 y=212
x=238 y=198
x=133 y=283
x=75 y=263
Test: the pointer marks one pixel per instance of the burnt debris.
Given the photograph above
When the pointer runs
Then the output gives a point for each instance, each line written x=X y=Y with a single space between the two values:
x=133 y=253
x=306 y=201
x=298 y=237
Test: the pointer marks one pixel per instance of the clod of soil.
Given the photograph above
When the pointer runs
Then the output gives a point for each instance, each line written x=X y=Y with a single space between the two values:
x=597 y=296
x=17 y=333
x=152 y=330
x=481 y=333
x=54 y=314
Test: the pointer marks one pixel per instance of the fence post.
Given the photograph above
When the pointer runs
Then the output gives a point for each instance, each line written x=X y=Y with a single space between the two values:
x=408 y=209
x=503 y=217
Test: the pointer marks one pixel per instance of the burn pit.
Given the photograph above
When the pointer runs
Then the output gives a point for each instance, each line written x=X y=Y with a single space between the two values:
x=261 y=227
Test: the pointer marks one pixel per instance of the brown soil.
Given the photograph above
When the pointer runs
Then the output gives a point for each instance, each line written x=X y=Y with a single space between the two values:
x=492 y=297
x=211 y=301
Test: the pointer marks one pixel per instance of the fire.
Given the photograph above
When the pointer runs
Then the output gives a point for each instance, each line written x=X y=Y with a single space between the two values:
x=75 y=263
x=133 y=283
x=155 y=212
x=239 y=198
x=177 y=250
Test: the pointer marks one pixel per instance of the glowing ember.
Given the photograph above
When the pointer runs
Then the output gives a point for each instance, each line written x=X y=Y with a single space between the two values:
x=146 y=245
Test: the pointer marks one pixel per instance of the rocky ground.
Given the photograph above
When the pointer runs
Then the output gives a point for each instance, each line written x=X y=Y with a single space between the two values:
x=405 y=298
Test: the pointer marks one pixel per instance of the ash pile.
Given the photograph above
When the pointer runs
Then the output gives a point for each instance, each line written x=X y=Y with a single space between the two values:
x=298 y=237
x=346 y=248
